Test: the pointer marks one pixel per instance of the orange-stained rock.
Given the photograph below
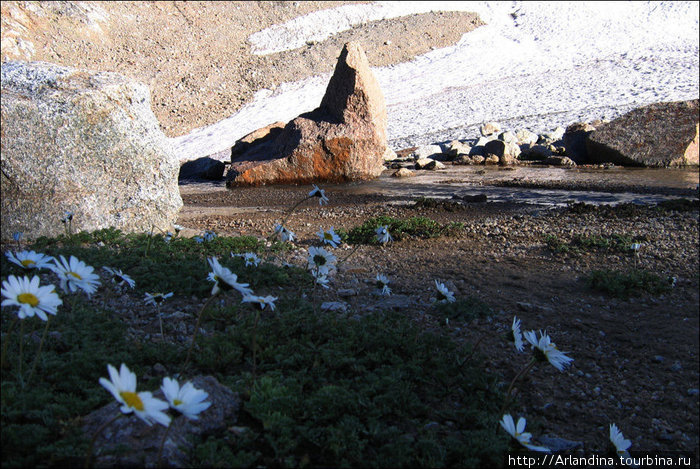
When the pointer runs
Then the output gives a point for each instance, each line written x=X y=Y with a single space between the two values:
x=344 y=139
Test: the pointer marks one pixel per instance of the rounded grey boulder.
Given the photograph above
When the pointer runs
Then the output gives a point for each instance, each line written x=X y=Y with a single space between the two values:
x=85 y=142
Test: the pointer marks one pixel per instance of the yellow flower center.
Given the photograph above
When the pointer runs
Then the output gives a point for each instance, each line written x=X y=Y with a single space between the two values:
x=75 y=275
x=177 y=402
x=28 y=263
x=132 y=400
x=328 y=236
x=28 y=298
x=319 y=260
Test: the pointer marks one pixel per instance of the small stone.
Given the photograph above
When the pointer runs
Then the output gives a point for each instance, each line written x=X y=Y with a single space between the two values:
x=403 y=173
x=346 y=292
x=693 y=391
x=490 y=128
x=658 y=359
x=334 y=306
x=676 y=366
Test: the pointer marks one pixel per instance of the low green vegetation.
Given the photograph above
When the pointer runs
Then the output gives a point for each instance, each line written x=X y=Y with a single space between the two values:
x=419 y=227
x=324 y=389
x=581 y=244
x=631 y=283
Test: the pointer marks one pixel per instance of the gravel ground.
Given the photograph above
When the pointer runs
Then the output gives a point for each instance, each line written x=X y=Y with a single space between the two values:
x=635 y=360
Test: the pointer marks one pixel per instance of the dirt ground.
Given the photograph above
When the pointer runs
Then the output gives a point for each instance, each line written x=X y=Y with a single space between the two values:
x=635 y=361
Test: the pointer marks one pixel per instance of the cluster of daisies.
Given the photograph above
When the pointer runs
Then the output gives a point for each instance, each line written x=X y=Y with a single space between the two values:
x=186 y=399
x=544 y=350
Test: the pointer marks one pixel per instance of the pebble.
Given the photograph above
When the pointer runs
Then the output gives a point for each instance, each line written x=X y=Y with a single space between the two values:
x=693 y=392
x=676 y=366
x=658 y=359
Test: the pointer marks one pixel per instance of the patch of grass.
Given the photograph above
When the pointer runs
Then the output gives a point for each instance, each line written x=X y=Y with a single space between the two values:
x=680 y=205
x=625 y=284
x=334 y=391
x=581 y=244
x=419 y=227
x=328 y=391
x=464 y=309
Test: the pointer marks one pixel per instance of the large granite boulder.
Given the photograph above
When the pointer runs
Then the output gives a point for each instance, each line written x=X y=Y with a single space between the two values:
x=84 y=142
x=344 y=139
x=658 y=135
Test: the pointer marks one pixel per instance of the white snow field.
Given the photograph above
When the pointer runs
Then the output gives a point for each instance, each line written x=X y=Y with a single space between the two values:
x=534 y=65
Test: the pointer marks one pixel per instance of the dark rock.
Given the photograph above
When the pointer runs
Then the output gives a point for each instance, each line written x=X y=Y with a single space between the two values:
x=575 y=141
x=560 y=161
x=344 y=139
x=203 y=168
x=556 y=444
x=658 y=135
x=129 y=442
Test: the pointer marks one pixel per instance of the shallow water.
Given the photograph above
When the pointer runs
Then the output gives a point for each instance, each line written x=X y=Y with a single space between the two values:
x=591 y=185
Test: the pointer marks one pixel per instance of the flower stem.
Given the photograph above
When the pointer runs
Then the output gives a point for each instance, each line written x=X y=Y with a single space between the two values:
x=36 y=359
x=524 y=371
x=162 y=444
x=255 y=342
x=148 y=245
x=3 y=362
x=88 y=457
x=160 y=320
x=21 y=343
x=196 y=330
x=289 y=214
x=474 y=347
x=348 y=256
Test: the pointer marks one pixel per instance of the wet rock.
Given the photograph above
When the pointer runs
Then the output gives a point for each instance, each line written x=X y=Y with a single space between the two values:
x=143 y=441
x=85 y=142
x=344 y=139
x=536 y=152
x=575 y=141
x=202 y=168
x=506 y=152
x=429 y=163
x=658 y=135
x=560 y=161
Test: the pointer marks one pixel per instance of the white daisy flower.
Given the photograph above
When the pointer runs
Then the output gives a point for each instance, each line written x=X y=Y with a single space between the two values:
x=321 y=259
x=67 y=217
x=444 y=294
x=168 y=237
x=17 y=235
x=251 y=259
x=316 y=192
x=30 y=259
x=329 y=237
x=156 y=299
x=382 y=284
x=515 y=335
x=122 y=385
x=284 y=234
x=224 y=279
x=636 y=247
x=187 y=399
x=620 y=443
x=119 y=277
x=517 y=432
x=76 y=274
x=178 y=228
x=546 y=350
x=30 y=297
x=320 y=277
x=208 y=235
x=198 y=239
x=261 y=301
x=383 y=235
